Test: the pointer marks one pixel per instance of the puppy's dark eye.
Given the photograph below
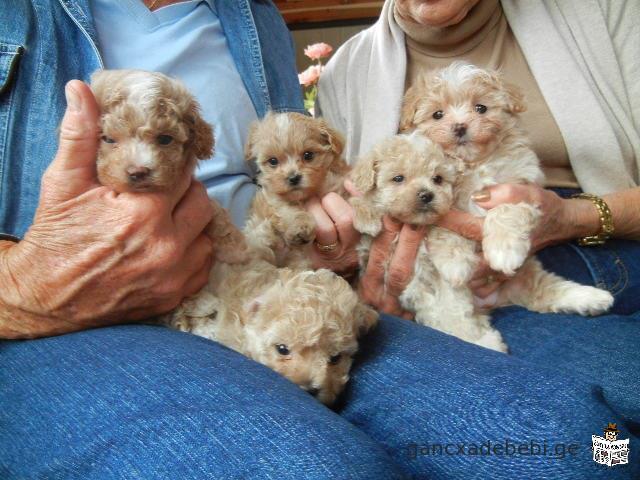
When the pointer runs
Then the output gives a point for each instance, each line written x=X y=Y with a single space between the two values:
x=437 y=179
x=480 y=108
x=398 y=178
x=282 y=349
x=308 y=156
x=438 y=115
x=333 y=360
x=106 y=139
x=273 y=161
x=164 y=139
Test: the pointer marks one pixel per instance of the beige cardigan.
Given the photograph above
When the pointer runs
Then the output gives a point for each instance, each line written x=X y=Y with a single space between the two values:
x=584 y=54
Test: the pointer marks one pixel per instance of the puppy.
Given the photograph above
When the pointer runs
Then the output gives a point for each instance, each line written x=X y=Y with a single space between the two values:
x=152 y=136
x=473 y=115
x=297 y=158
x=303 y=324
x=411 y=179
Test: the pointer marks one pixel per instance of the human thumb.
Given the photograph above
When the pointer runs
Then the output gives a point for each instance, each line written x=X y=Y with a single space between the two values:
x=73 y=170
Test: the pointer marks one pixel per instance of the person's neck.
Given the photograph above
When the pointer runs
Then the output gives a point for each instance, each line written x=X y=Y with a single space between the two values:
x=456 y=39
x=156 y=4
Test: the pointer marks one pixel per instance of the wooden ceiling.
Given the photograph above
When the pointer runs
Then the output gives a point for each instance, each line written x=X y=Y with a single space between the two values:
x=313 y=11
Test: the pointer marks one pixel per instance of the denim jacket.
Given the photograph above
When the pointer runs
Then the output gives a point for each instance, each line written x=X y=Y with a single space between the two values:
x=45 y=43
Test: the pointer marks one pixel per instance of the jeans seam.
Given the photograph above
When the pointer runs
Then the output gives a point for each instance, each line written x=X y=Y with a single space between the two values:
x=597 y=274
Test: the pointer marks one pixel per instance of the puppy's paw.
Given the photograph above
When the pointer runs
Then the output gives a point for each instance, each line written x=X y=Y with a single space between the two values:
x=585 y=300
x=232 y=249
x=301 y=231
x=202 y=305
x=455 y=273
x=492 y=340
x=506 y=255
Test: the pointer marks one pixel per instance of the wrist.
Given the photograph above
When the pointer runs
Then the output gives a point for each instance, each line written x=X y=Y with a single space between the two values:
x=14 y=323
x=583 y=219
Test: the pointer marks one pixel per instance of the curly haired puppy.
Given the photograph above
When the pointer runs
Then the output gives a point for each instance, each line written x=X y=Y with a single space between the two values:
x=297 y=157
x=152 y=135
x=473 y=115
x=303 y=324
x=411 y=179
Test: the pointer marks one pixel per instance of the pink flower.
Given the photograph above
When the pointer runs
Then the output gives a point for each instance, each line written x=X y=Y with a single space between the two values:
x=310 y=76
x=318 y=51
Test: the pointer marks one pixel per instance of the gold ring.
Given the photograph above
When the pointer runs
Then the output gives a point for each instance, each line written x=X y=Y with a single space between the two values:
x=490 y=279
x=327 y=248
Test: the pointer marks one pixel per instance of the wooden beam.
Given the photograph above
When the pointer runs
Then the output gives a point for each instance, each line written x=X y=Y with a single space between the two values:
x=309 y=11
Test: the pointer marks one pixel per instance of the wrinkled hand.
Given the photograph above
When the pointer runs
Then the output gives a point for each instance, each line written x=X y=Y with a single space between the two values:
x=93 y=257
x=334 y=226
x=382 y=291
x=556 y=225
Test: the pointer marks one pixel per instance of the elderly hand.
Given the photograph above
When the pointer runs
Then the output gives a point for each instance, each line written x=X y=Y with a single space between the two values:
x=561 y=220
x=382 y=291
x=93 y=257
x=336 y=239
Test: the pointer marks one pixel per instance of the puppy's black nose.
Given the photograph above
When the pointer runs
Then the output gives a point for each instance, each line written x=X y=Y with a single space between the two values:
x=137 y=174
x=459 y=129
x=314 y=391
x=294 y=179
x=425 y=196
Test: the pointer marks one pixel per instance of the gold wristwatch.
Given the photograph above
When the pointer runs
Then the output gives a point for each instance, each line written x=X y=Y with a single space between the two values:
x=606 y=221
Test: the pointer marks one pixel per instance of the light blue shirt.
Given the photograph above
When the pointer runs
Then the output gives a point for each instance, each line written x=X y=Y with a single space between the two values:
x=186 y=41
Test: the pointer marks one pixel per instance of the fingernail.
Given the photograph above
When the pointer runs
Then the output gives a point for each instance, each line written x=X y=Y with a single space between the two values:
x=73 y=99
x=481 y=196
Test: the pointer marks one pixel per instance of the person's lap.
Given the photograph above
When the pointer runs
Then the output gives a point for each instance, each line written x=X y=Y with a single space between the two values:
x=566 y=377
x=150 y=402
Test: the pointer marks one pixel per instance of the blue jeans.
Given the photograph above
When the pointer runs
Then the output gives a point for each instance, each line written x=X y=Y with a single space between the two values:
x=147 y=402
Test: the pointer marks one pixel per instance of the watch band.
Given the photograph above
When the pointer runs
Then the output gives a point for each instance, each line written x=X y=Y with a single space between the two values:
x=8 y=237
x=606 y=221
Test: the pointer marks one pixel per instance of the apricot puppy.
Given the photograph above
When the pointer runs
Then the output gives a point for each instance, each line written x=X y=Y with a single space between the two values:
x=152 y=136
x=297 y=158
x=302 y=324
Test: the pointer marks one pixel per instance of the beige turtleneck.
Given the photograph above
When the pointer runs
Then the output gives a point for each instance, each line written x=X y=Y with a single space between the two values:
x=485 y=39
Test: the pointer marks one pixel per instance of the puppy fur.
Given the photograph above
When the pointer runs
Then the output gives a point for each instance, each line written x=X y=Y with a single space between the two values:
x=303 y=324
x=297 y=158
x=152 y=136
x=409 y=178
x=471 y=114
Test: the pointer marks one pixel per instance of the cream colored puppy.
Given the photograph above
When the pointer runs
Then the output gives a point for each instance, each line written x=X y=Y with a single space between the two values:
x=152 y=136
x=302 y=324
x=411 y=179
x=473 y=115
x=297 y=158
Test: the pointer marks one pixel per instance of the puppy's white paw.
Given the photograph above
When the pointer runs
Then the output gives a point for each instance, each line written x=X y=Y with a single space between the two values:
x=507 y=255
x=585 y=300
x=202 y=305
x=493 y=340
x=457 y=274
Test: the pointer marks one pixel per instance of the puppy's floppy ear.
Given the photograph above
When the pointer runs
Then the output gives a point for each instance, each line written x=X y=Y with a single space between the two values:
x=515 y=98
x=365 y=318
x=364 y=172
x=252 y=136
x=332 y=136
x=201 y=133
x=409 y=109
